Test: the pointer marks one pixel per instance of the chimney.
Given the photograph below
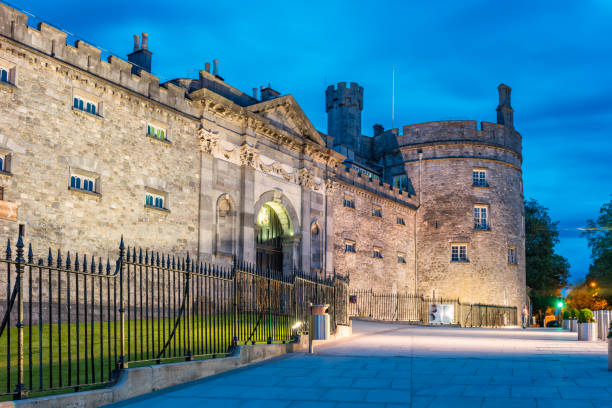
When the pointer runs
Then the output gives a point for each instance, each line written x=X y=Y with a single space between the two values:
x=505 y=113
x=255 y=93
x=378 y=129
x=268 y=93
x=141 y=56
x=207 y=67
x=215 y=67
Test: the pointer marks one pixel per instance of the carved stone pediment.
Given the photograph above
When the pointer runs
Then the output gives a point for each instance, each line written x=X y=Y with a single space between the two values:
x=249 y=156
x=305 y=178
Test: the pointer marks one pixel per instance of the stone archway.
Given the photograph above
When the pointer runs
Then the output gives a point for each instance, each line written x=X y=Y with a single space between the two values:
x=277 y=237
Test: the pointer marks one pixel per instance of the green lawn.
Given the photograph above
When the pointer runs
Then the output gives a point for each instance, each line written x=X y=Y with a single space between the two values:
x=60 y=358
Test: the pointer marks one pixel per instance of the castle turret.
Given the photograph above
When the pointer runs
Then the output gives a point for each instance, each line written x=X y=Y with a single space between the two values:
x=505 y=113
x=141 y=56
x=343 y=106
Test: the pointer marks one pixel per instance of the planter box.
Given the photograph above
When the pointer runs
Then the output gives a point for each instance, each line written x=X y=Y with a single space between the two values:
x=573 y=325
x=566 y=325
x=587 y=331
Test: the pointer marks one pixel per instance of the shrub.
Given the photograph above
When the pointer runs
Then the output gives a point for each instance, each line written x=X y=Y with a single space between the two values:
x=585 y=316
x=610 y=331
x=566 y=315
x=574 y=313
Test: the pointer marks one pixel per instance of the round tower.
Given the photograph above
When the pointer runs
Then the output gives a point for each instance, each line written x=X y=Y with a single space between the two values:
x=343 y=106
x=470 y=226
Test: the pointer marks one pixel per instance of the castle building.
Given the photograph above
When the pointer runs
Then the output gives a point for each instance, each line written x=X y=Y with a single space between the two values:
x=93 y=149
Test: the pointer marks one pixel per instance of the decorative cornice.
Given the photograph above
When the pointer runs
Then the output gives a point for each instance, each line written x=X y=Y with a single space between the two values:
x=208 y=140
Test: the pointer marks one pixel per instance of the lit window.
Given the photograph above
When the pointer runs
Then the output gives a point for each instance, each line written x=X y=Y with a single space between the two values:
x=512 y=256
x=480 y=217
x=349 y=202
x=4 y=75
x=401 y=258
x=401 y=182
x=81 y=182
x=371 y=176
x=479 y=178
x=459 y=253
x=349 y=246
x=156 y=132
x=376 y=211
x=377 y=253
x=85 y=105
x=401 y=221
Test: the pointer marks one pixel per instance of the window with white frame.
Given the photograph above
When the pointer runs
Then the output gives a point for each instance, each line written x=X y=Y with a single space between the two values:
x=156 y=131
x=5 y=162
x=85 y=105
x=349 y=246
x=401 y=258
x=376 y=211
x=401 y=220
x=512 y=255
x=481 y=214
x=479 y=178
x=155 y=200
x=7 y=72
x=401 y=182
x=349 y=201
x=459 y=253
x=377 y=253
x=4 y=74
x=83 y=181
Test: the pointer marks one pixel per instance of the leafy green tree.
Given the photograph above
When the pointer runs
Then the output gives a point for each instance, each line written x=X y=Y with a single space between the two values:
x=599 y=238
x=547 y=272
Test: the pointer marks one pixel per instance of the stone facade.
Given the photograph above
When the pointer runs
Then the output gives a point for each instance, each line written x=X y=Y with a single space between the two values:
x=195 y=165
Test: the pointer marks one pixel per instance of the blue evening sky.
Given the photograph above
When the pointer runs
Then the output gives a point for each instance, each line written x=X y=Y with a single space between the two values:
x=449 y=57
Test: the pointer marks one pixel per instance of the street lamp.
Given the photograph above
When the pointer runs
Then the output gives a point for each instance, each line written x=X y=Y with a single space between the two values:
x=593 y=284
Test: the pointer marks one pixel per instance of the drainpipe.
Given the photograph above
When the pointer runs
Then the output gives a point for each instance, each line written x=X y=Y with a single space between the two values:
x=416 y=279
x=325 y=225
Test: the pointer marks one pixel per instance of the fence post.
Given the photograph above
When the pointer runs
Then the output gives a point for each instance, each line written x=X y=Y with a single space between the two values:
x=121 y=364
x=188 y=352
x=20 y=388
x=269 y=307
x=235 y=319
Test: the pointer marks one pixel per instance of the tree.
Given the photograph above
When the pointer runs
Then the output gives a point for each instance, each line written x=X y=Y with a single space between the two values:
x=599 y=238
x=547 y=272
x=586 y=296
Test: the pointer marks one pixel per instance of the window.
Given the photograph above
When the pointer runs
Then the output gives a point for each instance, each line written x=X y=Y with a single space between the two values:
x=349 y=246
x=401 y=258
x=459 y=253
x=401 y=182
x=156 y=132
x=1 y=193
x=5 y=162
x=512 y=256
x=400 y=220
x=371 y=176
x=154 y=200
x=479 y=178
x=85 y=105
x=480 y=217
x=376 y=211
x=377 y=253
x=82 y=182
x=349 y=202
x=4 y=75
x=7 y=72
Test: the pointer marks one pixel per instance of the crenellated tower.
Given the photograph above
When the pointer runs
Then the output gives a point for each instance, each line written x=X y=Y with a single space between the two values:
x=343 y=106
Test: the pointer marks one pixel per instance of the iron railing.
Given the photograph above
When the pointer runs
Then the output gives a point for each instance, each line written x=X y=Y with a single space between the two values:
x=413 y=308
x=73 y=322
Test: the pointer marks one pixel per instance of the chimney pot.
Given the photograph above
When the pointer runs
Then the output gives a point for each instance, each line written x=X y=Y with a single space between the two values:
x=136 y=42
x=145 y=41
x=255 y=93
x=215 y=67
x=207 y=67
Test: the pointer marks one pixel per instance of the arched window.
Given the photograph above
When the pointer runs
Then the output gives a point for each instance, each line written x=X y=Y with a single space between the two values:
x=316 y=247
x=225 y=226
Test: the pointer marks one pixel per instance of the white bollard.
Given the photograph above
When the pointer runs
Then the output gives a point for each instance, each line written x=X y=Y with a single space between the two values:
x=610 y=354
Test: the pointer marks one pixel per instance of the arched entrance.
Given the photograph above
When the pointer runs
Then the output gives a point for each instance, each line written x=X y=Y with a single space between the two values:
x=269 y=240
x=277 y=235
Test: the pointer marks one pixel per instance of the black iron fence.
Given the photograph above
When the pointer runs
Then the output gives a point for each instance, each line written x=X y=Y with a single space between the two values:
x=407 y=307
x=73 y=322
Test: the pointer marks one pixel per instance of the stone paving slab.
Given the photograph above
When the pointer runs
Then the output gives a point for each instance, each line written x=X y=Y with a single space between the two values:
x=390 y=366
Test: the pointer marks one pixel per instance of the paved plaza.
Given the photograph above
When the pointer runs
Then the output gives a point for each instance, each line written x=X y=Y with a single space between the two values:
x=390 y=365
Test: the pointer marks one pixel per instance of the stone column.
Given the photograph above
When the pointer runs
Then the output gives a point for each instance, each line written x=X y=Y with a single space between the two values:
x=291 y=255
x=208 y=142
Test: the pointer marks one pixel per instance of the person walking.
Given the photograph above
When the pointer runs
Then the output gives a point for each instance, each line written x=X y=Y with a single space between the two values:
x=525 y=315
